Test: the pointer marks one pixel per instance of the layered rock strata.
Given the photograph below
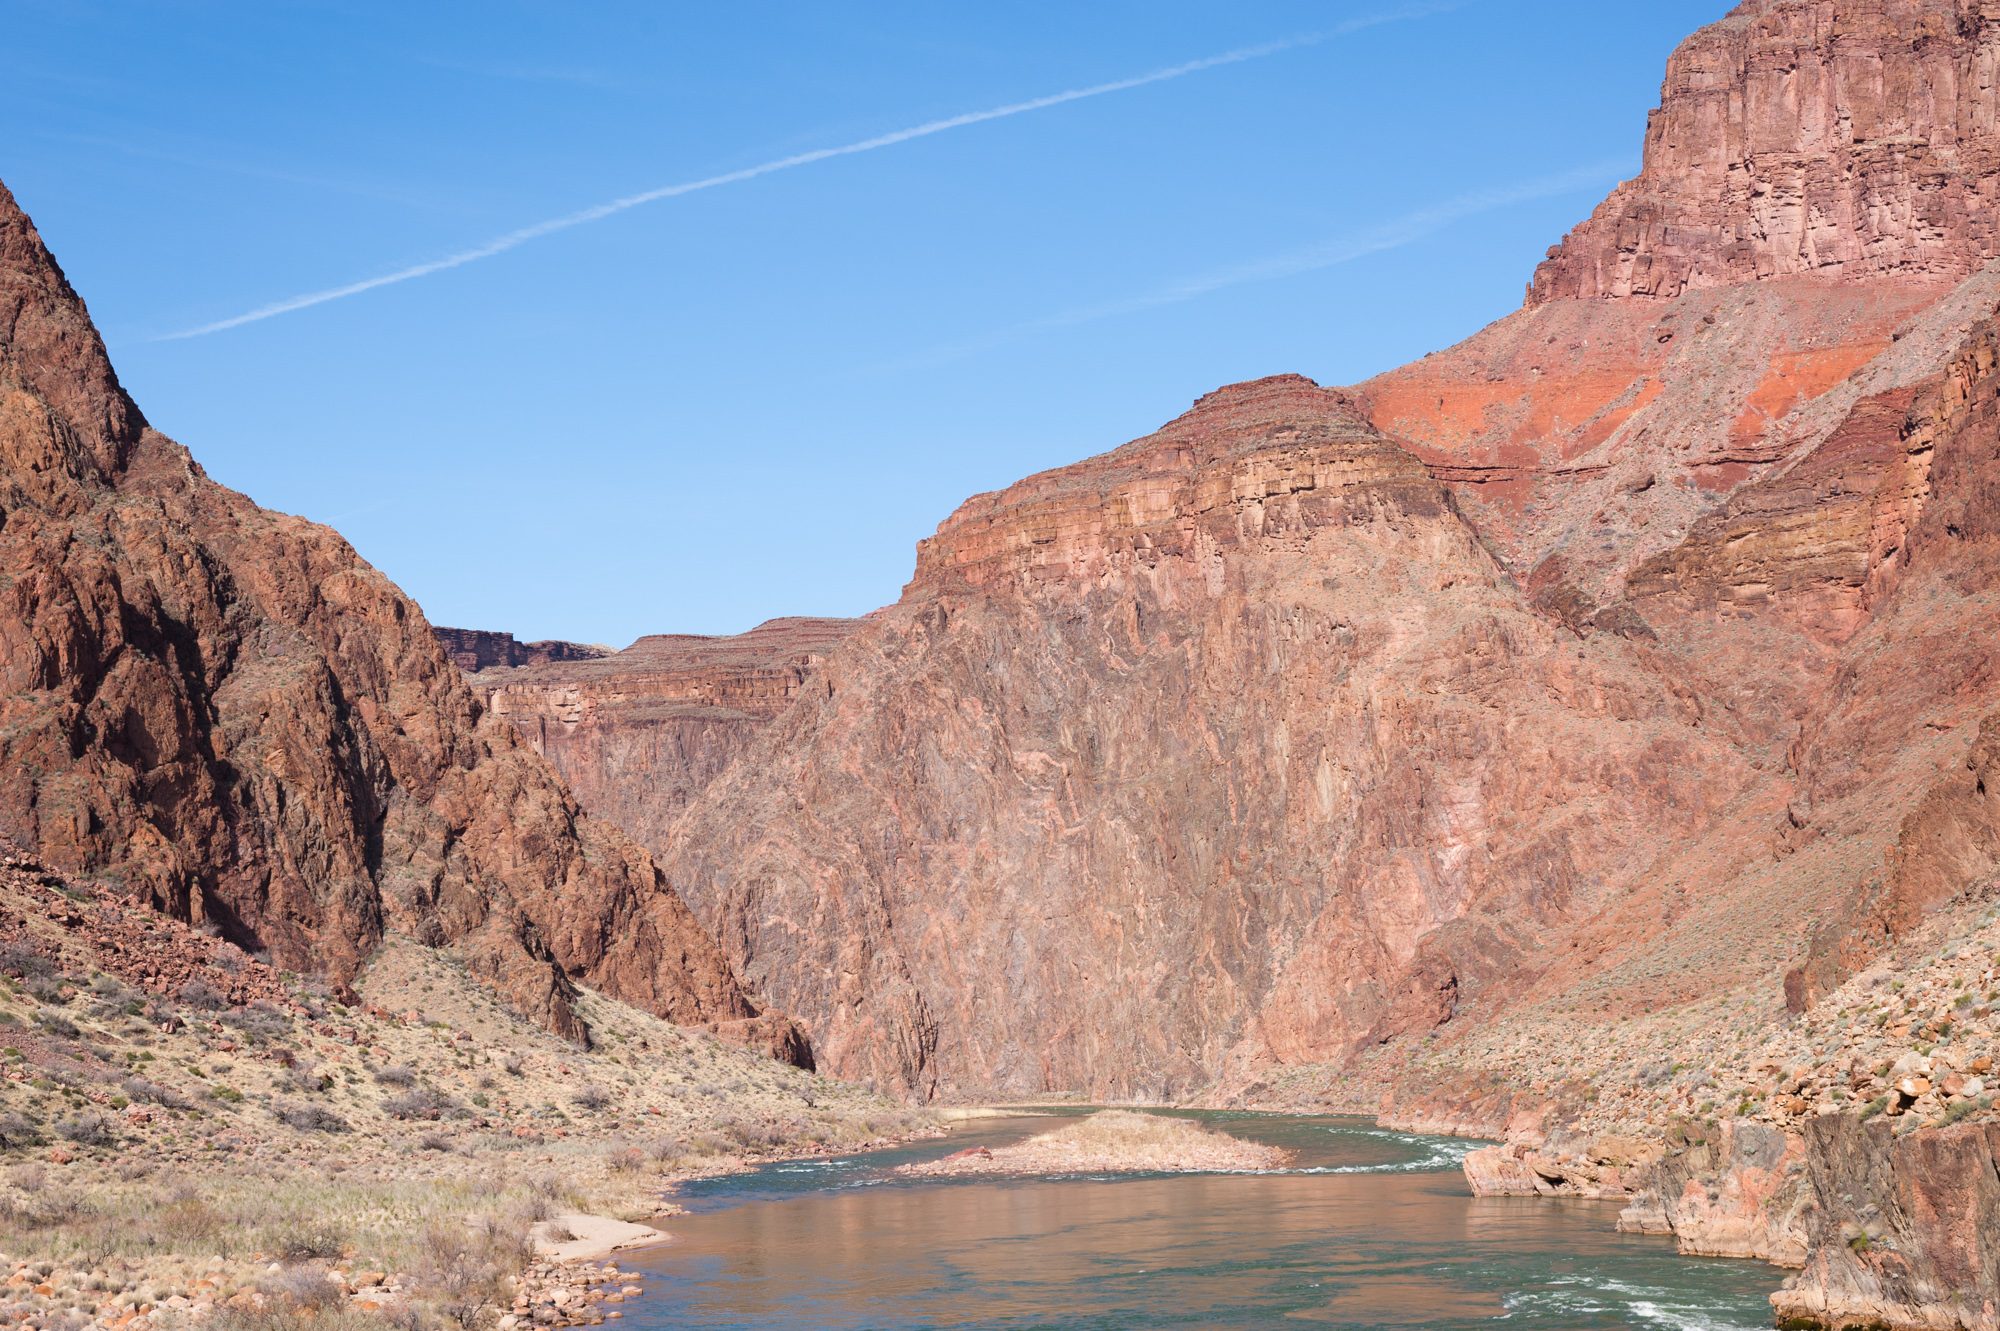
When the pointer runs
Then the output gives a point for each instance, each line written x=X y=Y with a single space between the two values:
x=485 y=649
x=637 y=734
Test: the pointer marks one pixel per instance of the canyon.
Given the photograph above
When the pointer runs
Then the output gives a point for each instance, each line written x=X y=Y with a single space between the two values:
x=227 y=713
x=1584 y=736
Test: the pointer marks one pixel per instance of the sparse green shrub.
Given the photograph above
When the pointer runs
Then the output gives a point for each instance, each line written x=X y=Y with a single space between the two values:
x=308 y=1118
x=17 y=1133
x=203 y=996
x=307 y=1241
x=422 y=1102
x=88 y=1129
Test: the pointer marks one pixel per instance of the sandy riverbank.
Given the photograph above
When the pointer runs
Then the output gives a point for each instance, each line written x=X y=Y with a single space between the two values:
x=1108 y=1142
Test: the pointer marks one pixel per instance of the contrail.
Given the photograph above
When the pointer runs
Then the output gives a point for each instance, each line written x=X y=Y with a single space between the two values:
x=514 y=239
x=1392 y=235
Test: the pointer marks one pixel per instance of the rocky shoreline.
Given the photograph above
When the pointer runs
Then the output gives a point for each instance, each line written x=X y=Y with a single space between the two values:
x=1899 y=1232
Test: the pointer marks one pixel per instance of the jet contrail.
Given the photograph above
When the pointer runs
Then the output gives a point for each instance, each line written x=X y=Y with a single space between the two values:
x=514 y=239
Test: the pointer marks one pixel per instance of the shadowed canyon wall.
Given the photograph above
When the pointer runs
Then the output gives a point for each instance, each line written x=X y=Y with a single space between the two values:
x=229 y=712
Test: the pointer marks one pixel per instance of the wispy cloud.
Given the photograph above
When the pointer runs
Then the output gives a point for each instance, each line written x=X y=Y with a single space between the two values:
x=1391 y=235
x=515 y=239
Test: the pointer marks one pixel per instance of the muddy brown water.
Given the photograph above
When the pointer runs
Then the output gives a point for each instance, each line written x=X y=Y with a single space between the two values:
x=1370 y=1228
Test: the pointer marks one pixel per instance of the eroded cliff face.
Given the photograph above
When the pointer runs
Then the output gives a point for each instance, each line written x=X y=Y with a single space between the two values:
x=1849 y=137
x=637 y=734
x=1555 y=687
x=486 y=649
x=229 y=712
x=1235 y=739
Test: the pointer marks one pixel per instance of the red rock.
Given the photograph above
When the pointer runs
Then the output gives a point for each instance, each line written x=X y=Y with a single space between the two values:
x=234 y=714
x=638 y=733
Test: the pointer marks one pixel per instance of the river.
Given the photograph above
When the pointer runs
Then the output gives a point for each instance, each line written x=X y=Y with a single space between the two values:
x=1371 y=1228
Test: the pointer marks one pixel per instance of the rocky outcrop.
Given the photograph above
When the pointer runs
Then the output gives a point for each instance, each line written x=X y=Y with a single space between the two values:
x=484 y=649
x=1848 y=138
x=637 y=734
x=1902 y=1229
x=227 y=712
x=1211 y=744
x=1729 y=1189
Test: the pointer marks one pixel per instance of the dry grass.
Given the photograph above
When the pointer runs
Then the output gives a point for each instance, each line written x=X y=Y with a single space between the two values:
x=173 y=1150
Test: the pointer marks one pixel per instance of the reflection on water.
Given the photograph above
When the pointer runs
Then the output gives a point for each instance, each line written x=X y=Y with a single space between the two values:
x=1372 y=1228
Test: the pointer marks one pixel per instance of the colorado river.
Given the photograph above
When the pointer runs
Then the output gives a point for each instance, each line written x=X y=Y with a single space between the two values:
x=1370 y=1229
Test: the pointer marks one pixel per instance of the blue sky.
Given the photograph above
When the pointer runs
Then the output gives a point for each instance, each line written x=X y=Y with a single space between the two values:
x=753 y=398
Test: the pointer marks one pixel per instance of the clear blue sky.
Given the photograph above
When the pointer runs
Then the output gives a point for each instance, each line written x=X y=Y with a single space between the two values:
x=754 y=398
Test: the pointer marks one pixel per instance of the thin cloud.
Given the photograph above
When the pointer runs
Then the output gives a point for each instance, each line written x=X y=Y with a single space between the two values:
x=1392 y=235
x=517 y=238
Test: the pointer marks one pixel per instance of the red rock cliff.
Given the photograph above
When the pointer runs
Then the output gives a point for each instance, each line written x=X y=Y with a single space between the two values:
x=1554 y=674
x=1843 y=137
x=637 y=734
x=230 y=712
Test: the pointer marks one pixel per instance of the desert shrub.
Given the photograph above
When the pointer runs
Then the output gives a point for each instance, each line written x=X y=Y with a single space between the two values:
x=396 y=1075
x=46 y=989
x=143 y=1091
x=260 y=1022
x=51 y=1208
x=512 y=1065
x=302 y=1287
x=465 y=1271
x=626 y=1159
x=17 y=1133
x=308 y=1118
x=201 y=995
x=88 y=1129
x=307 y=1078
x=181 y=1220
x=422 y=1102
x=307 y=1241
x=57 y=1025
x=752 y=1134
x=434 y=1141
x=19 y=959
x=592 y=1098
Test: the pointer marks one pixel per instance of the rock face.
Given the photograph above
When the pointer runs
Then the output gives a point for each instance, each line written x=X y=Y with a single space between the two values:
x=1560 y=678
x=228 y=712
x=482 y=649
x=1903 y=1233
x=637 y=734
x=1213 y=741
x=1848 y=137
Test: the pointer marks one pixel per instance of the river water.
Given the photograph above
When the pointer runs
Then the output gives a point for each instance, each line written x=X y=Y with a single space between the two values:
x=1371 y=1228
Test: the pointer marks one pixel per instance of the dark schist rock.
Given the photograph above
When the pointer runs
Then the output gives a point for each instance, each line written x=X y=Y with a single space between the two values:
x=229 y=713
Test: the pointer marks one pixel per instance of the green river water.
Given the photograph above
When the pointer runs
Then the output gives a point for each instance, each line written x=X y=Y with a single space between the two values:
x=1370 y=1228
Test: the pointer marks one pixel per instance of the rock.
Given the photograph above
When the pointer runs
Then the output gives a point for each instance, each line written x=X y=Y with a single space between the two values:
x=637 y=733
x=1902 y=1235
x=279 y=723
x=1867 y=156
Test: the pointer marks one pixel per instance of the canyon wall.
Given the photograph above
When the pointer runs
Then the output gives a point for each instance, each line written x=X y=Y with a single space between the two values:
x=637 y=734
x=229 y=713
x=486 y=649
x=1847 y=137
x=1555 y=674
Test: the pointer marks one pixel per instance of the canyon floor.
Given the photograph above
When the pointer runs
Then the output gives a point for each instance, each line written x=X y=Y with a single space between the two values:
x=185 y=1130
